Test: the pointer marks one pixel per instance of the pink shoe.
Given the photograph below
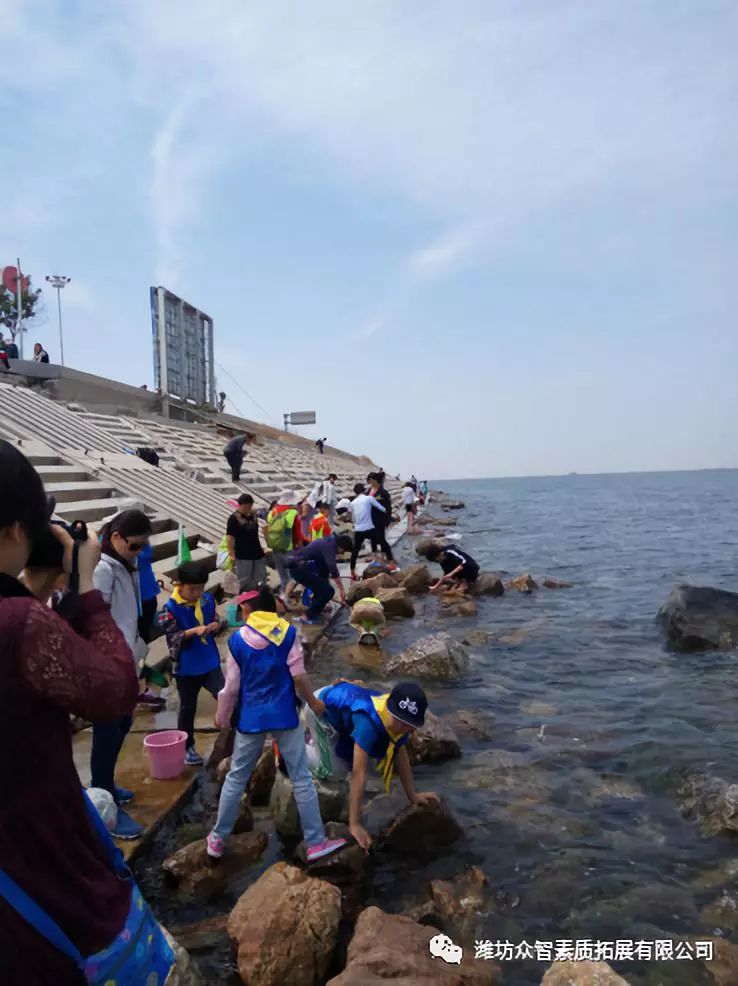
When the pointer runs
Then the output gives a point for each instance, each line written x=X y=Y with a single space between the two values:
x=216 y=846
x=324 y=848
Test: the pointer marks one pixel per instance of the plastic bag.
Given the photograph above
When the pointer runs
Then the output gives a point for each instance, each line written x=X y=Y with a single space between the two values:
x=105 y=806
x=223 y=560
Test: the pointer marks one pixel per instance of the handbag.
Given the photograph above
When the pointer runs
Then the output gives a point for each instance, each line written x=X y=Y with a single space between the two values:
x=139 y=954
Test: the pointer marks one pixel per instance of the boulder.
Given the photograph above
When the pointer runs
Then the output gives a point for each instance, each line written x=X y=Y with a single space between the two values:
x=396 y=602
x=457 y=903
x=488 y=584
x=221 y=771
x=422 y=829
x=375 y=568
x=261 y=781
x=245 y=820
x=202 y=935
x=435 y=656
x=557 y=584
x=523 y=583
x=382 y=810
x=471 y=724
x=582 y=974
x=184 y=972
x=711 y=802
x=193 y=871
x=453 y=605
x=435 y=742
x=698 y=618
x=222 y=748
x=422 y=545
x=370 y=587
x=453 y=505
x=723 y=967
x=285 y=928
x=428 y=520
x=332 y=794
x=349 y=870
x=477 y=638
x=416 y=579
x=391 y=947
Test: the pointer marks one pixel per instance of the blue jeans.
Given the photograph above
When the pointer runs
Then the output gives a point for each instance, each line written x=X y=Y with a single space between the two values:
x=321 y=589
x=107 y=740
x=246 y=751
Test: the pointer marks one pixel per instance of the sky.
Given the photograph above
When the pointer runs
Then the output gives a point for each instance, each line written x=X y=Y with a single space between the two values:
x=484 y=238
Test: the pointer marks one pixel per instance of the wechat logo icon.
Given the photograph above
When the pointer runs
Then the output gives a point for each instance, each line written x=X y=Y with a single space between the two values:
x=441 y=947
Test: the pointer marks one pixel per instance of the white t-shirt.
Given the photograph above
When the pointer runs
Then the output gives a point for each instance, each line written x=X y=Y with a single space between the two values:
x=408 y=497
x=361 y=510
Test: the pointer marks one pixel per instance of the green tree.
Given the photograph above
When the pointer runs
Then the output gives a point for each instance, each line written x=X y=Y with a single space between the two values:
x=30 y=305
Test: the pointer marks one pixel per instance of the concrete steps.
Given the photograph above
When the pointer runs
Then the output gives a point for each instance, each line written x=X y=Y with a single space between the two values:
x=166 y=544
x=91 y=510
x=167 y=566
x=78 y=491
x=60 y=473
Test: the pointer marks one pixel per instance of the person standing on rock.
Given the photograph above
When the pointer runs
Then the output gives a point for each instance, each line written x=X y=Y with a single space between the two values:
x=459 y=568
x=284 y=534
x=408 y=501
x=264 y=672
x=363 y=508
x=322 y=553
x=234 y=453
x=381 y=520
x=329 y=495
x=244 y=546
x=364 y=723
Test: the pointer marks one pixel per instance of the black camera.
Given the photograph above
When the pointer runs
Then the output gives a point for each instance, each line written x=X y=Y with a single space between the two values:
x=48 y=553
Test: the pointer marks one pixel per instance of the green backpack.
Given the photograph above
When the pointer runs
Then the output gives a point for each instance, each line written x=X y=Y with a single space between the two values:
x=279 y=530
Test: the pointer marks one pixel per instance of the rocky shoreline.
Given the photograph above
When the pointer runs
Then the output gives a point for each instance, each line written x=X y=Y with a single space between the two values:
x=311 y=925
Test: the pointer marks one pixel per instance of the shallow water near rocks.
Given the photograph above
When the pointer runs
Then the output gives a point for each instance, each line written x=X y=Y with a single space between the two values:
x=570 y=808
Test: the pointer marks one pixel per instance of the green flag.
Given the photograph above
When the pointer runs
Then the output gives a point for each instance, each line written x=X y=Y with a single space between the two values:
x=183 y=552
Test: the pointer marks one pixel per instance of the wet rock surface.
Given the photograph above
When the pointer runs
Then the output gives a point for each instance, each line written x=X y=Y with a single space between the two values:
x=422 y=829
x=455 y=606
x=523 y=583
x=194 y=872
x=435 y=656
x=332 y=794
x=582 y=974
x=396 y=602
x=393 y=947
x=557 y=584
x=459 y=904
x=199 y=936
x=222 y=748
x=370 y=587
x=184 y=972
x=285 y=928
x=416 y=579
x=711 y=802
x=260 y=784
x=471 y=724
x=698 y=618
x=349 y=869
x=434 y=742
x=488 y=584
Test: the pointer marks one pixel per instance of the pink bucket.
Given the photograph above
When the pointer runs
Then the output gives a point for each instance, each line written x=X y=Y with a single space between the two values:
x=166 y=752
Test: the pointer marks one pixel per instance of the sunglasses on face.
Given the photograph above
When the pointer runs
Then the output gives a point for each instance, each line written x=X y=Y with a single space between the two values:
x=135 y=545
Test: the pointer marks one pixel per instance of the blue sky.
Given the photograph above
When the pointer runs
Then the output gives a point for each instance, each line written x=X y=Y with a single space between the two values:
x=486 y=238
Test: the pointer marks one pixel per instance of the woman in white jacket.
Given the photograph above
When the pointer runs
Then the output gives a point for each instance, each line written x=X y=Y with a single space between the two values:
x=116 y=576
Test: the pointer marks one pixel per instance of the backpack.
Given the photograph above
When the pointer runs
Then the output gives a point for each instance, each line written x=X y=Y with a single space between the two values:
x=279 y=530
x=148 y=455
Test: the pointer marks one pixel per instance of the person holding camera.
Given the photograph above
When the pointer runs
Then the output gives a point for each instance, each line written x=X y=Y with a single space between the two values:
x=116 y=576
x=52 y=667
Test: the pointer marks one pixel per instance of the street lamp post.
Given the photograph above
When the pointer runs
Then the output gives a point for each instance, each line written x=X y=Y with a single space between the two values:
x=59 y=282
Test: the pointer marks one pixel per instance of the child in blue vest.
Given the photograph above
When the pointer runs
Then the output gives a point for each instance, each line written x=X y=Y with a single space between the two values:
x=264 y=671
x=191 y=623
x=361 y=723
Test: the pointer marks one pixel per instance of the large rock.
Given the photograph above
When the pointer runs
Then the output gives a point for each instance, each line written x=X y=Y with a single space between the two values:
x=523 y=583
x=332 y=794
x=711 y=802
x=416 y=579
x=428 y=520
x=184 y=972
x=488 y=584
x=434 y=743
x=697 y=618
x=245 y=820
x=471 y=723
x=453 y=505
x=454 y=605
x=582 y=974
x=723 y=967
x=391 y=947
x=222 y=748
x=261 y=781
x=435 y=656
x=199 y=936
x=370 y=587
x=348 y=869
x=194 y=872
x=396 y=602
x=557 y=584
x=381 y=811
x=375 y=568
x=457 y=903
x=423 y=544
x=285 y=928
x=221 y=771
x=422 y=829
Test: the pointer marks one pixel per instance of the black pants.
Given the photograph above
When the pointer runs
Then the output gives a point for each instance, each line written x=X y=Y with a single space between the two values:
x=188 y=686
x=107 y=739
x=146 y=620
x=321 y=589
x=235 y=461
x=379 y=540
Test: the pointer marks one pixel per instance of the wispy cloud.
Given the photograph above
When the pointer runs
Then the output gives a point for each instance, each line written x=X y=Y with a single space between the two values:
x=369 y=329
x=443 y=254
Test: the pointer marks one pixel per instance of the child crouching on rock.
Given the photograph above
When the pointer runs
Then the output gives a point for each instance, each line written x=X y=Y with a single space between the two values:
x=459 y=569
x=265 y=669
x=359 y=723
x=190 y=622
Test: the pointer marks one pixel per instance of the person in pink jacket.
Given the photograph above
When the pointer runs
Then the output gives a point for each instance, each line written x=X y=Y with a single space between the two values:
x=265 y=672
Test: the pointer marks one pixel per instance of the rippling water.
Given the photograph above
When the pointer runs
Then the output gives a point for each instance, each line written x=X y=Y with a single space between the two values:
x=580 y=821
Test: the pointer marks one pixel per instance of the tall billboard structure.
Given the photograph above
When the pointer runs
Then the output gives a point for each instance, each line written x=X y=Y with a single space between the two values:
x=184 y=365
